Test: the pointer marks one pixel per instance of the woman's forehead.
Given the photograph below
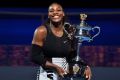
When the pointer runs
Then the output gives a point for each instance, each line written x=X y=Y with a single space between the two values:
x=55 y=5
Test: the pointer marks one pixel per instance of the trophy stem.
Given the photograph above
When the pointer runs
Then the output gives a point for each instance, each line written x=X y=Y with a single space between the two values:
x=82 y=23
x=78 y=51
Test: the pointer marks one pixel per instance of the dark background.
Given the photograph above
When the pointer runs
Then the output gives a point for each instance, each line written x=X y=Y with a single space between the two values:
x=64 y=3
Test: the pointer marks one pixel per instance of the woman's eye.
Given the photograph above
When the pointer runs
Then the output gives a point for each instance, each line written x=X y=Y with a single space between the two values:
x=55 y=10
x=59 y=10
x=51 y=11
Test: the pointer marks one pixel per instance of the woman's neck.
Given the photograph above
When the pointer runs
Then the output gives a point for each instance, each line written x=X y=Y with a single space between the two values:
x=57 y=29
x=57 y=26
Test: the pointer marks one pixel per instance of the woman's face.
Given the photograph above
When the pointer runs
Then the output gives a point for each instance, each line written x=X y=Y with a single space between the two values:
x=55 y=13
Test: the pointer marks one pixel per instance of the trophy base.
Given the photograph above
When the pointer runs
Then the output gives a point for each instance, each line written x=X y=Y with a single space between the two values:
x=73 y=78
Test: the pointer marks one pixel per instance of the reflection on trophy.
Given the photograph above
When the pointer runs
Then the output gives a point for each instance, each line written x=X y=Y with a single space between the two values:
x=82 y=33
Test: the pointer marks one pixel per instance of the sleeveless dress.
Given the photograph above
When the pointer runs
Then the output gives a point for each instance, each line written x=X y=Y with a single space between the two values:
x=57 y=49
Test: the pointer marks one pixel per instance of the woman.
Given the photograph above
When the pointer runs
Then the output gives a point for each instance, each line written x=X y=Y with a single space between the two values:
x=51 y=40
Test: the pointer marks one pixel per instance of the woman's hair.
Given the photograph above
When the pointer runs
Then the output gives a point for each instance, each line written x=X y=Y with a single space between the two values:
x=56 y=4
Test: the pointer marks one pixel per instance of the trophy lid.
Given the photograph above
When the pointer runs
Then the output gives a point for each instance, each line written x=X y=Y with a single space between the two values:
x=83 y=18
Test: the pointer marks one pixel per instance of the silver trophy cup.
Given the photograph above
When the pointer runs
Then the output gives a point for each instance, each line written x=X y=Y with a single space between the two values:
x=82 y=33
x=83 y=30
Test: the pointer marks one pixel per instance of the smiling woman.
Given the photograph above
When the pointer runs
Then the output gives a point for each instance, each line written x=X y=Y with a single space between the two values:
x=51 y=46
x=17 y=28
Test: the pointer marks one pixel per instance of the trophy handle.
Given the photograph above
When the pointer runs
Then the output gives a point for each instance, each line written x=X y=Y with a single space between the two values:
x=96 y=27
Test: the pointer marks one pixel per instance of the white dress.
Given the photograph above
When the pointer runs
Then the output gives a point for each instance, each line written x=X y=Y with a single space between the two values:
x=45 y=75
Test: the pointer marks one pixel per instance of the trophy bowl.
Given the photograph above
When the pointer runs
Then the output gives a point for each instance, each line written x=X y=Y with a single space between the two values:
x=83 y=30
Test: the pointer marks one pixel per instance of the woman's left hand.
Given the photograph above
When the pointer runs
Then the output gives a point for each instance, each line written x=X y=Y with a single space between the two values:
x=88 y=73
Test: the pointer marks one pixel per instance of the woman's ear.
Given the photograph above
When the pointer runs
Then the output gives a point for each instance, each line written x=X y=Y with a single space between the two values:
x=64 y=14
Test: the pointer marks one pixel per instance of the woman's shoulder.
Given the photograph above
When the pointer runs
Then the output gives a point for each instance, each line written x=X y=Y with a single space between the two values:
x=40 y=31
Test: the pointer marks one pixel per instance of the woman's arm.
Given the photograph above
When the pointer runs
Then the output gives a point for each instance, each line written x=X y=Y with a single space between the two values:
x=37 y=54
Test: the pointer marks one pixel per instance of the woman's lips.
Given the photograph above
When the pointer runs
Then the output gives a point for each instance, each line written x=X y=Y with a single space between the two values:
x=55 y=17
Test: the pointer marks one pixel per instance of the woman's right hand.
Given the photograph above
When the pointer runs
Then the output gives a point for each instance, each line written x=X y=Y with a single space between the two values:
x=61 y=72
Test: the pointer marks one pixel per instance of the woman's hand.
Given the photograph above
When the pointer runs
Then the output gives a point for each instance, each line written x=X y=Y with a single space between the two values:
x=88 y=73
x=60 y=71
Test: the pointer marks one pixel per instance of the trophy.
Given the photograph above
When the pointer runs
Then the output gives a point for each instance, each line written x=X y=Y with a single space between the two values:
x=82 y=33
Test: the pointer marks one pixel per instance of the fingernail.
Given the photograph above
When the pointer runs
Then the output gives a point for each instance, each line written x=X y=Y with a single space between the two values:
x=86 y=76
x=65 y=73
